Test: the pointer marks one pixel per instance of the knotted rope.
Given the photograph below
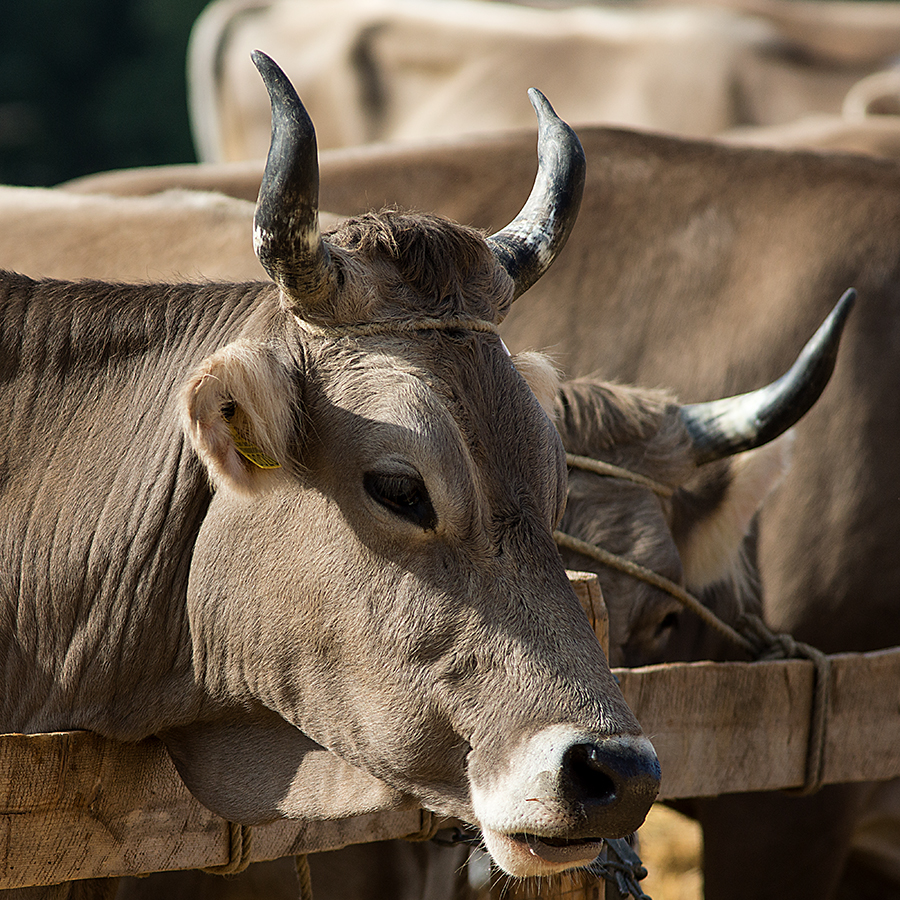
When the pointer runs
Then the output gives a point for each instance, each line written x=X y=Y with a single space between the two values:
x=621 y=867
x=430 y=825
x=240 y=845
x=752 y=635
x=784 y=646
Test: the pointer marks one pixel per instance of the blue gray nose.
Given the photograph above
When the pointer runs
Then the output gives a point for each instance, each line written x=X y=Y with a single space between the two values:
x=614 y=781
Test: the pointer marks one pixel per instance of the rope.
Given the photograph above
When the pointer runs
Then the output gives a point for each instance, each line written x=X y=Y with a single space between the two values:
x=364 y=329
x=783 y=646
x=304 y=877
x=598 y=467
x=240 y=845
x=636 y=570
x=429 y=827
x=752 y=634
x=622 y=868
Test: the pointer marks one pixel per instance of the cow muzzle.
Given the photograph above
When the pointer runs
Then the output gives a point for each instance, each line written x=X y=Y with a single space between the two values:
x=562 y=795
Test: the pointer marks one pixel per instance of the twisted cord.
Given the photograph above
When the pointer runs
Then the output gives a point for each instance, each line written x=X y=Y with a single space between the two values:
x=429 y=827
x=636 y=570
x=784 y=646
x=599 y=467
x=304 y=877
x=240 y=846
x=622 y=868
x=364 y=329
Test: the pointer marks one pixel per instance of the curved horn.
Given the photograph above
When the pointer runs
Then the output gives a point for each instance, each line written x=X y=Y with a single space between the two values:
x=724 y=427
x=527 y=246
x=286 y=233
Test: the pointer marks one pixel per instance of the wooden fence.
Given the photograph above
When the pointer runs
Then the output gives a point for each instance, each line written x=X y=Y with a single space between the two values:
x=73 y=805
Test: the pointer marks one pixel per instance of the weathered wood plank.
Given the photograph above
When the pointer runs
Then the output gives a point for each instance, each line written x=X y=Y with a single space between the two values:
x=730 y=727
x=74 y=805
x=721 y=727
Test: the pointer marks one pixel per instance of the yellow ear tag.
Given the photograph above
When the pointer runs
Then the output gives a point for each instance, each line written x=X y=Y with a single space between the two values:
x=249 y=450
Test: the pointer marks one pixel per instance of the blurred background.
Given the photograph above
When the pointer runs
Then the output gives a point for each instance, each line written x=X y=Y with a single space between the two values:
x=90 y=85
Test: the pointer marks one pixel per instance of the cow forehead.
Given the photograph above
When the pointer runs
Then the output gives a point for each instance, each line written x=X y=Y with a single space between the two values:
x=449 y=400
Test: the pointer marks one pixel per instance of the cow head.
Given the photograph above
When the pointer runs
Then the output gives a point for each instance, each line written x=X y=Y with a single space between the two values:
x=376 y=571
x=709 y=467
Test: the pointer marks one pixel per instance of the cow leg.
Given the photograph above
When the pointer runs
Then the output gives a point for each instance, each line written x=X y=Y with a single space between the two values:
x=873 y=868
x=774 y=845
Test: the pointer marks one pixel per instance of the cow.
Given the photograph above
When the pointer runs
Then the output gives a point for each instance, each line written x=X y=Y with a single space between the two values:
x=285 y=483
x=388 y=70
x=678 y=278
x=687 y=277
x=688 y=526
x=176 y=235
x=868 y=123
x=636 y=427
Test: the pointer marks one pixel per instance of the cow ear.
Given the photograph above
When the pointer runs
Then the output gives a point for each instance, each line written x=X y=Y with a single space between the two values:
x=237 y=410
x=709 y=532
x=541 y=375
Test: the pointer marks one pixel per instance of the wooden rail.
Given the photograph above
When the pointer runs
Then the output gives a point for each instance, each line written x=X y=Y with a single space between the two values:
x=73 y=805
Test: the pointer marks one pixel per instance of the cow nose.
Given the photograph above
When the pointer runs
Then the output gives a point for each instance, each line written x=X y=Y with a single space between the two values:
x=614 y=781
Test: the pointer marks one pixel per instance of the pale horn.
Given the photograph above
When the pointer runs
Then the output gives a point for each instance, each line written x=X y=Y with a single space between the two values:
x=724 y=427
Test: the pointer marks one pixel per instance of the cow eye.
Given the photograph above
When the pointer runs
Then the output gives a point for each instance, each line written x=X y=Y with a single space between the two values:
x=403 y=495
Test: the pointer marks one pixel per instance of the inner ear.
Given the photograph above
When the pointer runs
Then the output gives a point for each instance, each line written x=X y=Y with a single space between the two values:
x=237 y=410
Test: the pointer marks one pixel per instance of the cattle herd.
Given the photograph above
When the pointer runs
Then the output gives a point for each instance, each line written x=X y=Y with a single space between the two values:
x=285 y=432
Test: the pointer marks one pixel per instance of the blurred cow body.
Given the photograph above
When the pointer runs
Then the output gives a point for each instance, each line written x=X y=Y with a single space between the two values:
x=174 y=236
x=383 y=70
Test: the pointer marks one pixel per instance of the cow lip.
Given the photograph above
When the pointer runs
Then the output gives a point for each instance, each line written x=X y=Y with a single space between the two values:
x=525 y=854
x=559 y=850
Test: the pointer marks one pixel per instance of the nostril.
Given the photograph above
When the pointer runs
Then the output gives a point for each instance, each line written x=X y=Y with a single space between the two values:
x=591 y=779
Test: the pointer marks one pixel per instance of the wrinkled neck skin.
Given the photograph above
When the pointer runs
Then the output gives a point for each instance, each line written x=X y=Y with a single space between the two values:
x=102 y=502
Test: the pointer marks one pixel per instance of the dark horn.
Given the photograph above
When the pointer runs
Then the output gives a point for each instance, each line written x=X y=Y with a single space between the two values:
x=286 y=233
x=527 y=246
x=724 y=427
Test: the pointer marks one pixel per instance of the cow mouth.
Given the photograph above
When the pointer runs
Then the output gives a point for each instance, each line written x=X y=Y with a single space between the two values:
x=525 y=854
x=557 y=850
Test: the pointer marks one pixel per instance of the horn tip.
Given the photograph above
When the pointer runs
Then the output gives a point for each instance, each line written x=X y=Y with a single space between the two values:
x=837 y=318
x=540 y=103
x=261 y=60
x=848 y=298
